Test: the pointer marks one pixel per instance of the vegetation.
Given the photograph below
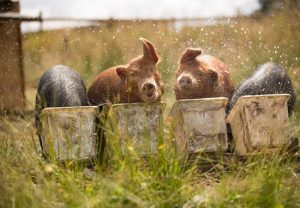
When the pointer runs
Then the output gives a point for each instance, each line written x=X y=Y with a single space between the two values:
x=27 y=180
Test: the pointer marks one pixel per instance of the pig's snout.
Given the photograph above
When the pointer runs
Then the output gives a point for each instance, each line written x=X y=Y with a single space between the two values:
x=148 y=89
x=185 y=82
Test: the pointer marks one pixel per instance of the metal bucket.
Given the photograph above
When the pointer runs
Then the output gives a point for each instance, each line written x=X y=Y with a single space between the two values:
x=198 y=125
x=72 y=133
x=260 y=123
x=135 y=127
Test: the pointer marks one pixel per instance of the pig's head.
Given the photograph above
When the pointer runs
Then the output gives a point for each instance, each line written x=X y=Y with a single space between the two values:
x=141 y=81
x=194 y=79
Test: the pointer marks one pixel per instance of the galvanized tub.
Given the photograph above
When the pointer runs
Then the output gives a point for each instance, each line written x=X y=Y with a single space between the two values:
x=198 y=125
x=260 y=123
x=72 y=133
x=135 y=127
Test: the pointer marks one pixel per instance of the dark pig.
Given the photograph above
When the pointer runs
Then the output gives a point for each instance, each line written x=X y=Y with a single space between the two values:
x=269 y=78
x=59 y=86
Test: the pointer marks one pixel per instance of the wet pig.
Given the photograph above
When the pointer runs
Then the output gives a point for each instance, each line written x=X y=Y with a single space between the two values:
x=59 y=86
x=201 y=76
x=138 y=81
x=269 y=78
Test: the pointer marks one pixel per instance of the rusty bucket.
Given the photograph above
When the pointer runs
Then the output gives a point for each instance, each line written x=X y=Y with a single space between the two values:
x=260 y=123
x=135 y=127
x=72 y=133
x=198 y=125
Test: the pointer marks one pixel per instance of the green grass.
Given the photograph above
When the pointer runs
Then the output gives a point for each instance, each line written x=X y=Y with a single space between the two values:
x=159 y=181
x=26 y=180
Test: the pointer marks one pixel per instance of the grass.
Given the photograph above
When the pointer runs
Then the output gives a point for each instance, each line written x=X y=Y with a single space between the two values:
x=159 y=181
x=26 y=180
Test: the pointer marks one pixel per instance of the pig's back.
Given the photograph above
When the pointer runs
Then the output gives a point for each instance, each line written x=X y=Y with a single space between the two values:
x=61 y=86
x=269 y=78
x=105 y=88
x=225 y=81
x=213 y=62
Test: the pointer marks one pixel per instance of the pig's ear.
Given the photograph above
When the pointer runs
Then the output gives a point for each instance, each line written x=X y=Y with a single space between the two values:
x=190 y=54
x=213 y=75
x=122 y=72
x=149 y=51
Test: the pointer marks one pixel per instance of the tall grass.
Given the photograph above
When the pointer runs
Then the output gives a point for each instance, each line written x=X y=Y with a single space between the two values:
x=159 y=181
x=27 y=180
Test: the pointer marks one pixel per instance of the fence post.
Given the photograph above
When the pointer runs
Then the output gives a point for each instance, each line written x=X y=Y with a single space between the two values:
x=12 y=97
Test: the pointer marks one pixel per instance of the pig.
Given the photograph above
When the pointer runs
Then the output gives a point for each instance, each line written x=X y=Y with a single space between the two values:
x=59 y=86
x=269 y=78
x=202 y=76
x=138 y=81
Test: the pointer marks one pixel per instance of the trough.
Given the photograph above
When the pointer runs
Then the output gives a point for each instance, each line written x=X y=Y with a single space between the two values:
x=260 y=123
x=198 y=125
x=72 y=133
x=135 y=127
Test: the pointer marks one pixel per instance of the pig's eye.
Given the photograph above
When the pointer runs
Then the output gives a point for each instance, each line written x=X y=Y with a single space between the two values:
x=199 y=73
x=132 y=73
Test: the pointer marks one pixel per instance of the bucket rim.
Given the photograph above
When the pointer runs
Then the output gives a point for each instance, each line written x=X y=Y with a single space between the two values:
x=201 y=100
x=117 y=105
x=266 y=96
x=70 y=108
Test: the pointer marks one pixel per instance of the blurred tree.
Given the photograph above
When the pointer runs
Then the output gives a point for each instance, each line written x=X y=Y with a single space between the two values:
x=267 y=5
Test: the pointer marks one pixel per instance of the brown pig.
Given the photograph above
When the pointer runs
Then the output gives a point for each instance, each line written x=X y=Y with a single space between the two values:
x=201 y=76
x=138 y=81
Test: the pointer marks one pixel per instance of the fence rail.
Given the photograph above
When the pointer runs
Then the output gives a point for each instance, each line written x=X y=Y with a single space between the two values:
x=24 y=18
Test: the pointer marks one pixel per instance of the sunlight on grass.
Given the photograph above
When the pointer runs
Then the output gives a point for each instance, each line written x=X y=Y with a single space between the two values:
x=160 y=180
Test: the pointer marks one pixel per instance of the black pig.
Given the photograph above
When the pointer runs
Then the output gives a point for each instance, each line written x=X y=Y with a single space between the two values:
x=269 y=78
x=59 y=86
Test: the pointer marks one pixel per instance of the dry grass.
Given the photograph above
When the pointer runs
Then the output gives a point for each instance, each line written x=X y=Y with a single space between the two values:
x=26 y=180
x=243 y=44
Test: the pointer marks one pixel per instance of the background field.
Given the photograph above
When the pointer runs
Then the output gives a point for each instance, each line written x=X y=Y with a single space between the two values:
x=242 y=43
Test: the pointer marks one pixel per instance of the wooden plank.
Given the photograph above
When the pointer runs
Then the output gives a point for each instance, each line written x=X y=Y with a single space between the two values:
x=12 y=97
